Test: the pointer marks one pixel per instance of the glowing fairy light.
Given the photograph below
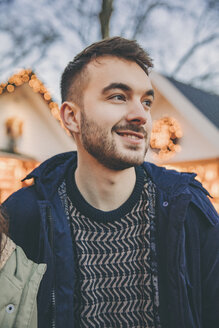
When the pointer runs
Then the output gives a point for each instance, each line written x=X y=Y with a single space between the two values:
x=28 y=76
x=164 y=139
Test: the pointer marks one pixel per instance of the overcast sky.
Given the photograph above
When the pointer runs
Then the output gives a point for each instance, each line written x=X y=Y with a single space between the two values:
x=167 y=36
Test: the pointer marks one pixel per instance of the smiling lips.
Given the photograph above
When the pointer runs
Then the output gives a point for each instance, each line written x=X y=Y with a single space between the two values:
x=137 y=136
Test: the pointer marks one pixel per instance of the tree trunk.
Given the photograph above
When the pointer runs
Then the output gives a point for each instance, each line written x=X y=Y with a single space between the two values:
x=104 y=16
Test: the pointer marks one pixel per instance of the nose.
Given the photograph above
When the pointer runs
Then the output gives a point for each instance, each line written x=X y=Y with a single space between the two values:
x=137 y=114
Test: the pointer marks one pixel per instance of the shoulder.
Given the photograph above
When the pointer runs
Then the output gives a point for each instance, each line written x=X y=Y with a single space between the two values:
x=22 y=205
x=174 y=184
x=27 y=194
x=168 y=180
x=23 y=213
x=200 y=197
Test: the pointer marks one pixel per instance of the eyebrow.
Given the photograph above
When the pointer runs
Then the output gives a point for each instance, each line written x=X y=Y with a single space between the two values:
x=115 y=85
x=124 y=87
x=150 y=93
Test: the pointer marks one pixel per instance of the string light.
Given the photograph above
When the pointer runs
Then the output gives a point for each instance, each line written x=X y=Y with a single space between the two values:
x=12 y=170
x=28 y=76
x=10 y=88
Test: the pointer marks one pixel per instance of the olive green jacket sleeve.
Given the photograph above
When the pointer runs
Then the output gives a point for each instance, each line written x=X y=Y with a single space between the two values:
x=19 y=283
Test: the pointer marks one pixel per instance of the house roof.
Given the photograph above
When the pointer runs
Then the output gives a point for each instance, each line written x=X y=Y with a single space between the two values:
x=28 y=76
x=206 y=102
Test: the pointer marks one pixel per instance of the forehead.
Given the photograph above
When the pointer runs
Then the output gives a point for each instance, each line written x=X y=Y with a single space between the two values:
x=108 y=69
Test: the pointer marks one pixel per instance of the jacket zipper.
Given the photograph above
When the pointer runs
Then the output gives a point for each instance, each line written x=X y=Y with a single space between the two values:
x=51 y=241
x=53 y=304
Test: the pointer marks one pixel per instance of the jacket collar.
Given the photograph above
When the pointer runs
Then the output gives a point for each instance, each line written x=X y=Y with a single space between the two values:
x=169 y=181
x=176 y=184
x=53 y=170
x=49 y=175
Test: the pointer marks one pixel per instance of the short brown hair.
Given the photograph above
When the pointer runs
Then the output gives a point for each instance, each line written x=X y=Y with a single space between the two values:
x=74 y=76
x=3 y=227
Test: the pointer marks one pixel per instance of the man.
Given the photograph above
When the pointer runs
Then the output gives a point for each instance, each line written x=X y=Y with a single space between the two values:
x=127 y=244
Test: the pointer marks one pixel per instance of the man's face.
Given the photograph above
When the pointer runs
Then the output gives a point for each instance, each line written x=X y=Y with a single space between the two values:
x=115 y=121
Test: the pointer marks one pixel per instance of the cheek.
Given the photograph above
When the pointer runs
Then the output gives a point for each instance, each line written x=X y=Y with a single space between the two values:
x=104 y=114
x=107 y=120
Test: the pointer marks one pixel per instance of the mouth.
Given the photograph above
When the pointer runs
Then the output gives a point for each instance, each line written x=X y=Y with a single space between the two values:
x=131 y=137
x=131 y=134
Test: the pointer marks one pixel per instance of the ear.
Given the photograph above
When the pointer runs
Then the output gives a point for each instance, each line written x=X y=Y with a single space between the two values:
x=70 y=115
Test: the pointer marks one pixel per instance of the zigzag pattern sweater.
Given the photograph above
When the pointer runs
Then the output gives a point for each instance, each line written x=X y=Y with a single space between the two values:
x=115 y=256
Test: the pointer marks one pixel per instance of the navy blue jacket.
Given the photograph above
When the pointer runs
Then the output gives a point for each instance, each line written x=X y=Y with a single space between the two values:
x=187 y=245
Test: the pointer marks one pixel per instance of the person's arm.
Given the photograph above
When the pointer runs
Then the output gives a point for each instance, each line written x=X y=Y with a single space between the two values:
x=210 y=275
x=203 y=266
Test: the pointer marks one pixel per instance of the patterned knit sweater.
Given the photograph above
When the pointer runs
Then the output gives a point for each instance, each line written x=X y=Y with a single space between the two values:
x=115 y=258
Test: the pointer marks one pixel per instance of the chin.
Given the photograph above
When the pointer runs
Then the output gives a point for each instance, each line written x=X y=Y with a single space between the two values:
x=124 y=162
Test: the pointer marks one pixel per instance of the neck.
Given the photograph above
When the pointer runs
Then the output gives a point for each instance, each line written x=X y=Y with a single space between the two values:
x=103 y=188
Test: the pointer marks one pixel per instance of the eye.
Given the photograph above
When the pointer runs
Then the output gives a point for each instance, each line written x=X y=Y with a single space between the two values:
x=118 y=97
x=147 y=103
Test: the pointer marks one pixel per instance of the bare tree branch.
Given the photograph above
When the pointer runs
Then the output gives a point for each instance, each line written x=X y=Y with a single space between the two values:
x=143 y=15
x=33 y=39
x=192 y=50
